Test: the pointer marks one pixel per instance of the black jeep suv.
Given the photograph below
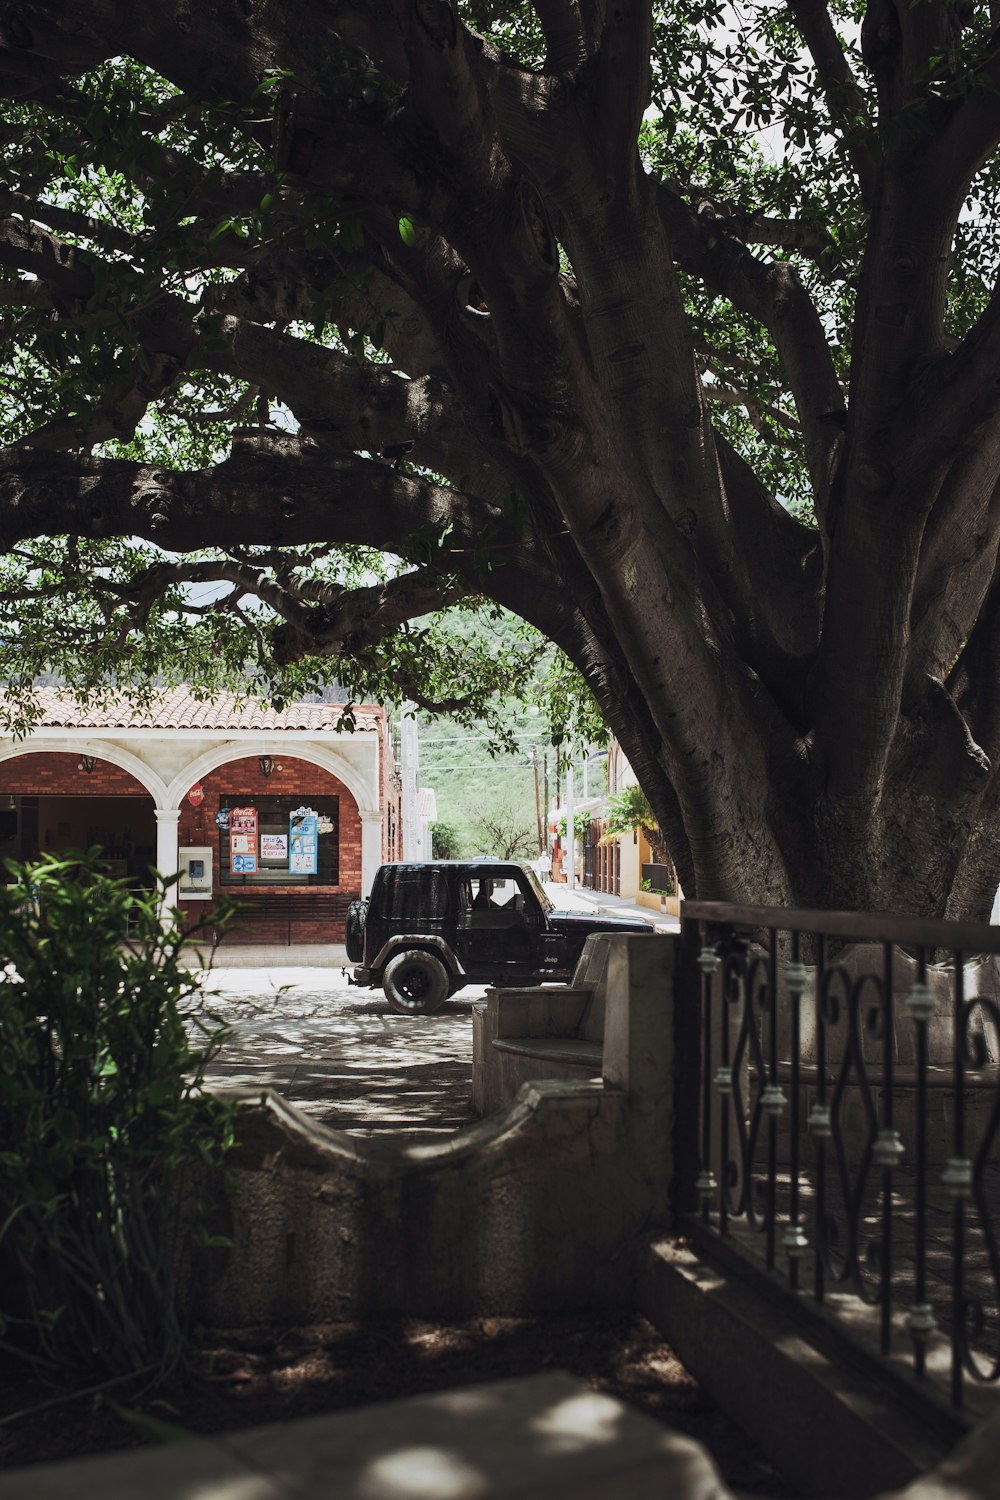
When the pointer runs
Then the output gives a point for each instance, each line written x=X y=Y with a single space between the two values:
x=428 y=929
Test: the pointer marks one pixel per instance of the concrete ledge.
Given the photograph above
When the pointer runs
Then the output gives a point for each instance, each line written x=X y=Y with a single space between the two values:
x=554 y=1049
x=544 y=1206
x=970 y=1472
x=515 y=1031
x=526 y=1439
x=833 y=1430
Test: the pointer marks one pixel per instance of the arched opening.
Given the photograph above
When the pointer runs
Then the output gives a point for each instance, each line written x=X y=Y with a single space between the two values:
x=283 y=836
x=54 y=801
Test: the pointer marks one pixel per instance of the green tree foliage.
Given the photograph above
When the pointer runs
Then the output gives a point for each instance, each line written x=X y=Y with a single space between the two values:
x=671 y=330
x=629 y=810
x=445 y=842
x=484 y=770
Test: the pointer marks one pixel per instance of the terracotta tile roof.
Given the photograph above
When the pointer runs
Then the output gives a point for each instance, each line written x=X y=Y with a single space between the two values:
x=178 y=708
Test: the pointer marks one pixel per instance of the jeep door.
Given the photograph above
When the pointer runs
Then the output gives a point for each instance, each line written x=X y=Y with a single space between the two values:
x=499 y=924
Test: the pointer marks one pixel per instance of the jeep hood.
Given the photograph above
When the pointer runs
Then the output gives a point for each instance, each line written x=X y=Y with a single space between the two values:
x=582 y=921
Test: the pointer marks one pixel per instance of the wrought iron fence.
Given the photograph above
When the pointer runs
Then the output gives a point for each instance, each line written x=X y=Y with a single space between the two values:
x=849 y=1115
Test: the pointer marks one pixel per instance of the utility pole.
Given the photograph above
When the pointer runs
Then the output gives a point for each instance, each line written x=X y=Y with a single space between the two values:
x=538 y=801
x=545 y=793
x=570 y=816
x=409 y=771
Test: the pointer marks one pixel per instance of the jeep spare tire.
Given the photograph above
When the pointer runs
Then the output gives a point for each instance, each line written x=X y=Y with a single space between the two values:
x=415 y=983
x=354 y=931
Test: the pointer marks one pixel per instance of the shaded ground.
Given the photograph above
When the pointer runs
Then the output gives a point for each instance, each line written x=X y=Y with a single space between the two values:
x=343 y=1057
x=254 y=1376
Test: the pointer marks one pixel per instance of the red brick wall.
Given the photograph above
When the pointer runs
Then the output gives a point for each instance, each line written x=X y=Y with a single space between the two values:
x=58 y=774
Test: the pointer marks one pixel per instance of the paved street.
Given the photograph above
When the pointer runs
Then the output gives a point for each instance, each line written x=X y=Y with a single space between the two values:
x=340 y=1054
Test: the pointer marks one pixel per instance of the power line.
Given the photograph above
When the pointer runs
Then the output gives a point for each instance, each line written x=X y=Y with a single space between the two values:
x=459 y=739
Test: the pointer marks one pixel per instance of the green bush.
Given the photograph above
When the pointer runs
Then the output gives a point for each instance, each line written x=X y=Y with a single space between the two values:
x=581 y=823
x=445 y=842
x=106 y=1133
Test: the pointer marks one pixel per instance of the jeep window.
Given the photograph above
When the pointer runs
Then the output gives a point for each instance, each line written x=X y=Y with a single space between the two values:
x=419 y=895
x=483 y=890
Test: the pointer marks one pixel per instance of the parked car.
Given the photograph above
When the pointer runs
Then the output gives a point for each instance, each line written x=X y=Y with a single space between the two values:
x=428 y=929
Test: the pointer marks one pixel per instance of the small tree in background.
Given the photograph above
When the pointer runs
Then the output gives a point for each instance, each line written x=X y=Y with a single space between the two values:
x=505 y=833
x=445 y=842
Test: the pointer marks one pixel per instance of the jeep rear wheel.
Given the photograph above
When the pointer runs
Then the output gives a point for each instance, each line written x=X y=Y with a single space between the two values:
x=415 y=983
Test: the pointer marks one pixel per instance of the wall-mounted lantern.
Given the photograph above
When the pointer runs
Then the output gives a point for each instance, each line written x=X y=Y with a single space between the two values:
x=87 y=763
x=266 y=763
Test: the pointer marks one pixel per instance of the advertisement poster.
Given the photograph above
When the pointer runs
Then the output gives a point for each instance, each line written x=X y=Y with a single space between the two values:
x=274 y=846
x=243 y=840
x=303 y=838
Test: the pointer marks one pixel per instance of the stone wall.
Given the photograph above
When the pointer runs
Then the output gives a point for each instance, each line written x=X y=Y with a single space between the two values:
x=543 y=1206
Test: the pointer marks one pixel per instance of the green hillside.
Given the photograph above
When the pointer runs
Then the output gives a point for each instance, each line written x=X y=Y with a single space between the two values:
x=486 y=801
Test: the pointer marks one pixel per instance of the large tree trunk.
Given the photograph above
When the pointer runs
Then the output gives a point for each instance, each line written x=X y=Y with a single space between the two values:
x=812 y=707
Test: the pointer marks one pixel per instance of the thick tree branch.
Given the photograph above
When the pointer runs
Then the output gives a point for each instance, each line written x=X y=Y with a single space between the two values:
x=622 y=77
x=722 y=216
x=772 y=295
x=566 y=43
x=351 y=621
x=65 y=220
x=845 y=100
x=321 y=618
x=59 y=265
x=953 y=401
x=957 y=561
x=964 y=142
x=973 y=680
x=287 y=492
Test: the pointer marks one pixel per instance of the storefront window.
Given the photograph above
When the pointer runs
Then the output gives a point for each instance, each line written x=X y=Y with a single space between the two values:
x=259 y=844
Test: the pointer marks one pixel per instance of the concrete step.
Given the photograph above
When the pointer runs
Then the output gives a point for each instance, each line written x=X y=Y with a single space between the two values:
x=531 y=1438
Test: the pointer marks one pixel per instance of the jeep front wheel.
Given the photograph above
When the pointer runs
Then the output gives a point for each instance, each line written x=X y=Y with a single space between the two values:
x=415 y=983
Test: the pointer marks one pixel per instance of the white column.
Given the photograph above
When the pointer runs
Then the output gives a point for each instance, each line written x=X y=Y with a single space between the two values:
x=409 y=770
x=371 y=848
x=167 y=819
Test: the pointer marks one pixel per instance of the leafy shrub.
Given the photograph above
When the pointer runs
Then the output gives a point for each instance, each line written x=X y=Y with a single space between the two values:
x=445 y=842
x=581 y=824
x=106 y=1133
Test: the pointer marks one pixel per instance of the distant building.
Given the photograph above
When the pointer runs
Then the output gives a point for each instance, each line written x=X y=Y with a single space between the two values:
x=282 y=809
x=616 y=867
